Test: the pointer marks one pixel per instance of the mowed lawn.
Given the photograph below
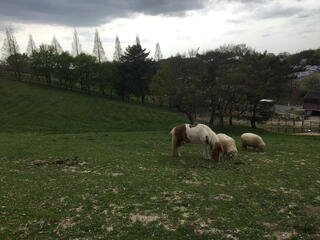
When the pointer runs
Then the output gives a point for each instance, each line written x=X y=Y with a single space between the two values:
x=96 y=181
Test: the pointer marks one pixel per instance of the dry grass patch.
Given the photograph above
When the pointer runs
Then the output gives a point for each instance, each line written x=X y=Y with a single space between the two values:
x=145 y=219
x=223 y=197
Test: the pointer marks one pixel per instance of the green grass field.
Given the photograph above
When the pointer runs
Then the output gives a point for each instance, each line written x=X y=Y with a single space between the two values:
x=80 y=167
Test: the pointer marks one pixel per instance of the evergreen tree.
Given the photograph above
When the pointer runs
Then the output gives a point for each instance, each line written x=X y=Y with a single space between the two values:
x=138 y=70
x=76 y=46
x=31 y=46
x=98 y=50
x=118 y=51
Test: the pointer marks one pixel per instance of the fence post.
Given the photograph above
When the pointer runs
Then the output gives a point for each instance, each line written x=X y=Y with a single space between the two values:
x=310 y=125
x=302 y=123
x=278 y=124
x=286 y=128
x=294 y=126
x=319 y=127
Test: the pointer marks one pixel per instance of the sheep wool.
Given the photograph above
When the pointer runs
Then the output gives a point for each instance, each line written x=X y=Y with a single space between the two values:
x=252 y=140
x=229 y=146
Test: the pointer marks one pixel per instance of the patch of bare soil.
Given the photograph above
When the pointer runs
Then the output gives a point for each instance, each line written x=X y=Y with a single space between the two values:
x=143 y=218
x=312 y=210
x=284 y=235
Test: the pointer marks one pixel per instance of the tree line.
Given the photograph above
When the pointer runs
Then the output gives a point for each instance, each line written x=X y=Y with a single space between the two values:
x=230 y=81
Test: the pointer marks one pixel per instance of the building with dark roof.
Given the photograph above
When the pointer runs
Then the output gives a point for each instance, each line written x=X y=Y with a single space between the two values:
x=311 y=103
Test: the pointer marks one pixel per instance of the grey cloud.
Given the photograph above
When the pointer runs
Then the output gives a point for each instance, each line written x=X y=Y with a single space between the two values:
x=80 y=13
x=297 y=12
x=277 y=11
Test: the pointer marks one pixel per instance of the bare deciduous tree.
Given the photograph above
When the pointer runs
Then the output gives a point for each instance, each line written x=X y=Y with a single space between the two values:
x=98 y=50
x=10 y=46
x=138 y=40
x=193 y=52
x=31 y=46
x=56 y=45
x=76 y=46
x=118 y=51
x=158 y=55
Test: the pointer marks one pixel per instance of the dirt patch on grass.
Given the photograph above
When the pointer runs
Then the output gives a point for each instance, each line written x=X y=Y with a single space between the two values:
x=145 y=219
x=283 y=235
x=223 y=197
x=192 y=182
x=116 y=174
x=310 y=209
x=67 y=223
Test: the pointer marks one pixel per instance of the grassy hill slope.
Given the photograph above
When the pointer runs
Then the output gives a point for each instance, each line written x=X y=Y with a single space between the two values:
x=27 y=107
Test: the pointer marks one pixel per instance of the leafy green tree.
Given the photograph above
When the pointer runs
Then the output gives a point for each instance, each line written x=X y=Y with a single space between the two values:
x=267 y=77
x=180 y=81
x=106 y=75
x=311 y=82
x=229 y=85
x=84 y=65
x=43 y=62
x=18 y=63
x=63 y=68
x=306 y=57
x=223 y=78
x=158 y=88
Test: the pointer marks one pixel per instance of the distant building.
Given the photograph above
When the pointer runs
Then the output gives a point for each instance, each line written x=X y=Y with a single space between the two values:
x=311 y=103
x=309 y=69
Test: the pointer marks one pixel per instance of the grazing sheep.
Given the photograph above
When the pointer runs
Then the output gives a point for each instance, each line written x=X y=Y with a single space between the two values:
x=229 y=146
x=253 y=140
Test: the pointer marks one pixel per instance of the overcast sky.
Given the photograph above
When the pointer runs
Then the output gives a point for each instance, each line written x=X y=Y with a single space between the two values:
x=178 y=25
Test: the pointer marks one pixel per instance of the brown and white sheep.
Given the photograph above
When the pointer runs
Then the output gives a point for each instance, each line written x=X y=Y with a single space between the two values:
x=229 y=146
x=253 y=140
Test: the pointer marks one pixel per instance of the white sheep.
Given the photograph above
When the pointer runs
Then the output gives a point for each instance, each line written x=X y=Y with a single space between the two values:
x=253 y=140
x=229 y=146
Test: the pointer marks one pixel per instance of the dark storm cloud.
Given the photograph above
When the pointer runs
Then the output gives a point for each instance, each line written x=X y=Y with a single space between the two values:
x=81 y=13
x=89 y=13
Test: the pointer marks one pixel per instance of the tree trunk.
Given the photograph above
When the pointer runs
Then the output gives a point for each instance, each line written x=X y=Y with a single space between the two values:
x=189 y=116
x=230 y=117
x=213 y=110
x=253 y=118
x=230 y=121
x=221 y=120
x=212 y=117
x=19 y=75
x=253 y=122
